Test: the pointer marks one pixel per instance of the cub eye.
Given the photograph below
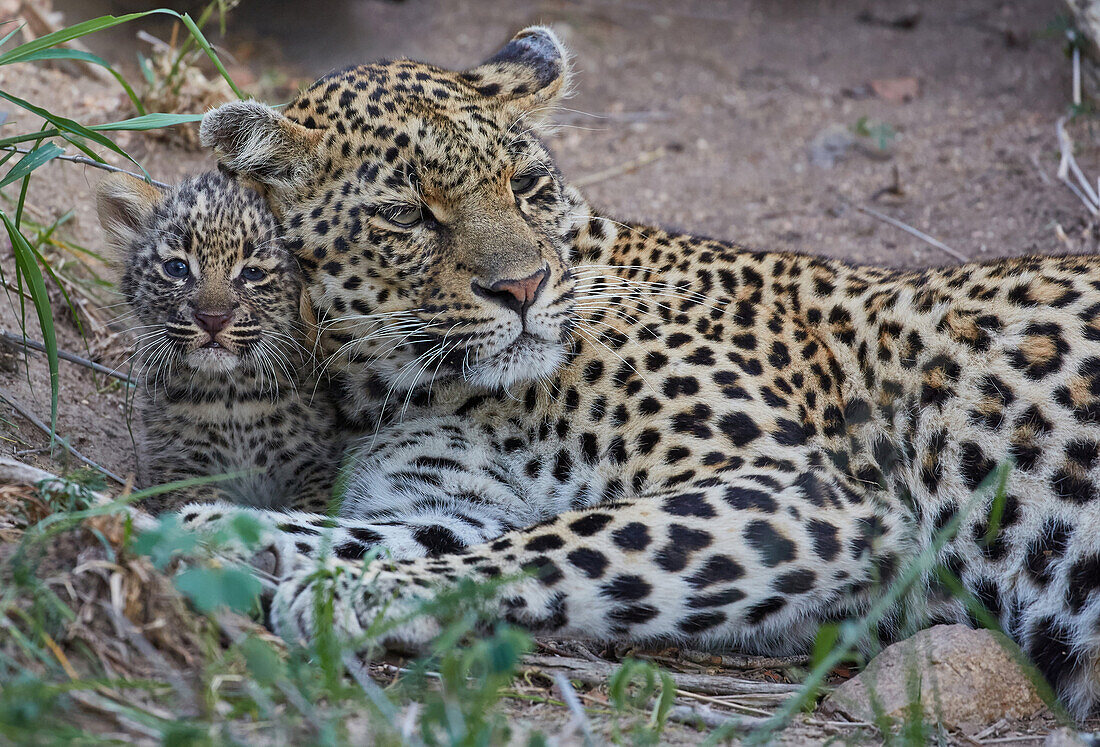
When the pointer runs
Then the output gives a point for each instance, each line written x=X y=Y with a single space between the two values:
x=522 y=183
x=406 y=217
x=253 y=274
x=176 y=268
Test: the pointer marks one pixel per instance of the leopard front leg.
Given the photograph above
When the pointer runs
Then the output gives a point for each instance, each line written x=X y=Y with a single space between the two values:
x=713 y=562
x=291 y=538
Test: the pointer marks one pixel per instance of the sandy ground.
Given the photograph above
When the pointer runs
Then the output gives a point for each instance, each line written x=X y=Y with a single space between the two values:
x=704 y=116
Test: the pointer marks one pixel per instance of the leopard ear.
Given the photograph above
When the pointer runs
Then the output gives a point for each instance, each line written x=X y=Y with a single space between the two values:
x=125 y=205
x=531 y=70
x=260 y=144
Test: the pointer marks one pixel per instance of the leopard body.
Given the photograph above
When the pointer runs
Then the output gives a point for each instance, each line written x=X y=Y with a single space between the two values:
x=676 y=438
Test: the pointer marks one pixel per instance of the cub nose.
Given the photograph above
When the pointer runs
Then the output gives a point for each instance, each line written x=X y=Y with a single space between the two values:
x=517 y=295
x=213 y=322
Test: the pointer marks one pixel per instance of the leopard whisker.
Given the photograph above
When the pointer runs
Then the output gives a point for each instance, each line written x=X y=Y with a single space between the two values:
x=622 y=314
x=389 y=391
x=275 y=359
x=159 y=357
x=275 y=364
x=620 y=280
x=405 y=313
x=641 y=288
x=631 y=229
x=429 y=357
x=442 y=358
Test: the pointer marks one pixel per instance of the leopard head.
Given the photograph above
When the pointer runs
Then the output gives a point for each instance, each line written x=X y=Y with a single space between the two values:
x=431 y=223
x=202 y=268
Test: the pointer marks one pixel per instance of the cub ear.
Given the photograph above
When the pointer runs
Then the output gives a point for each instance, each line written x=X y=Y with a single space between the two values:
x=259 y=143
x=125 y=205
x=531 y=70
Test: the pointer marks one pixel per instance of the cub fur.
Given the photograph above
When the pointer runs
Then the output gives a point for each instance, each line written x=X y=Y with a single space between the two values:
x=226 y=380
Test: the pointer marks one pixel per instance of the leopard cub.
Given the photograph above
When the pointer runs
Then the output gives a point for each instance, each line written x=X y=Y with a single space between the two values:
x=226 y=379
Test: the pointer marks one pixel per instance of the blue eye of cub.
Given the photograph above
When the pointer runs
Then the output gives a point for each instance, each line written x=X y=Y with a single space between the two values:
x=176 y=268
x=253 y=274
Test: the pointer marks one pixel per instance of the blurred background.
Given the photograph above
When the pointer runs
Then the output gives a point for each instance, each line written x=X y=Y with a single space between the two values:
x=764 y=121
x=908 y=134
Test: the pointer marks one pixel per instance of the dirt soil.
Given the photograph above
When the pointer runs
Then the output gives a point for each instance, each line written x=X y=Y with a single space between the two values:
x=767 y=122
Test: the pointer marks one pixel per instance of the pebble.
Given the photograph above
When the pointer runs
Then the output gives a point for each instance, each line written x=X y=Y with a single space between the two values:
x=967 y=679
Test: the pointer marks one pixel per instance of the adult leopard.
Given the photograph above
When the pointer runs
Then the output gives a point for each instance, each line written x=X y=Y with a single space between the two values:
x=683 y=439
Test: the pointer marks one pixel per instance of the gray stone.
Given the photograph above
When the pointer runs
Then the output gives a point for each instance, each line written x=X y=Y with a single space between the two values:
x=966 y=679
x=832 y=144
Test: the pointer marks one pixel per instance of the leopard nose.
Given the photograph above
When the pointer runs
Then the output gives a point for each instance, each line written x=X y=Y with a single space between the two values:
x=213 y=322
x=517 y=295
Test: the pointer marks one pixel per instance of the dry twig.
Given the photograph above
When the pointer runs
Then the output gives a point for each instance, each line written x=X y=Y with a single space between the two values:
x=624 y=168
x=596 y=673
x=96 y=164
x=742 y=661
x=127 y=629
x=1068 y=165
x=931 y=240
x=30 y=416
x=703 y=714
x=25 y=342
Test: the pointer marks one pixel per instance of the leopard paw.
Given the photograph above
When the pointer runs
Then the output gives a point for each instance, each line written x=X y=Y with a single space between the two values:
x=371 y=607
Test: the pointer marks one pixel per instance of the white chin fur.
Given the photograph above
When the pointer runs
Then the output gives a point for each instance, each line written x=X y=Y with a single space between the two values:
x=525 y=359
x=212 y=360
x=528 y=361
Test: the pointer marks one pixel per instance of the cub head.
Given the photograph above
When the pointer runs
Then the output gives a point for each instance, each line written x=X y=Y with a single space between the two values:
x=204 y=272
x=431 y=223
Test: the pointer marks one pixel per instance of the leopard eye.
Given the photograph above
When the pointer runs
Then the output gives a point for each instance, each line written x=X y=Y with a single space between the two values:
x=253 y=274
x=405 y=217
x=176 y=268
x=522 y=183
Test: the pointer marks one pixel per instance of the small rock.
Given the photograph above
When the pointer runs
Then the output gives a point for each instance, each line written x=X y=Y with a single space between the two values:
x=896 y=90
x=832 y=144
x=966 y=678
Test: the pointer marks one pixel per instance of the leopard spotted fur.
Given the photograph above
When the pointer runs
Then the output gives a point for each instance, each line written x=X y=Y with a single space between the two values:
x=227 y=383
x=681 y=439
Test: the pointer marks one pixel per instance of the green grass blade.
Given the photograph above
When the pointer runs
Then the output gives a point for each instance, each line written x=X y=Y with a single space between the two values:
x=16 y=139
x=31 y=161
x=64 y=293
x=64 y=124
x=145 y=122
x=28 y=267
x=79 y=144
x=92 y=59
x=23 y=51
x=10 y=34
x=146 y=69
x=76 y=31
x=196 y=32
x=153 y=121
x=23 y=187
